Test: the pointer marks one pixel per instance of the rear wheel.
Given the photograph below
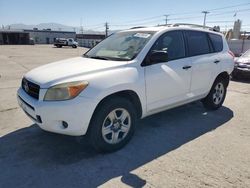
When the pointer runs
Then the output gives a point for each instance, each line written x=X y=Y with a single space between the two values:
x=216 y=96
x=112 y=125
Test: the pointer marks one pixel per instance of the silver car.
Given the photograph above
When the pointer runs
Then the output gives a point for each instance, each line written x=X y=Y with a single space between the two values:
x=242 y=66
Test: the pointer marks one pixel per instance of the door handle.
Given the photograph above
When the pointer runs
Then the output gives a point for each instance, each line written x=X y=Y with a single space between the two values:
x=216 y=61
x=186 y=67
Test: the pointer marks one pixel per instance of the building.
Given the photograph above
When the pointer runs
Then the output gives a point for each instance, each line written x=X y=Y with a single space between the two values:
x=236 y=29
x=89 y=40
x=14 y=37
x=45 y=36
x=48 y=36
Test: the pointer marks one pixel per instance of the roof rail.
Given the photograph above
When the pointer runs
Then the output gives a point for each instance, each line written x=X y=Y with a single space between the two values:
x=196 y=25
x=138 y=27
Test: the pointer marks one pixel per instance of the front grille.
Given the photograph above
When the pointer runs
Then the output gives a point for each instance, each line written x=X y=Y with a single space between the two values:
x=30 y=88
x=245 y=65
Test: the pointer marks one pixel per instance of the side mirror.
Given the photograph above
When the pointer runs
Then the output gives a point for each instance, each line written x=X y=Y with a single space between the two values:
x=158 y=56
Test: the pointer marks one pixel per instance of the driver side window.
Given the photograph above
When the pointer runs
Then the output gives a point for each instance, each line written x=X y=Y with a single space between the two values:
x=173 y=43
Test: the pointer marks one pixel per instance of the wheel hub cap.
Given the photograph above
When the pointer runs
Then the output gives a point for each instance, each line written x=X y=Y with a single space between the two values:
x=218 y=93
x=116 y=126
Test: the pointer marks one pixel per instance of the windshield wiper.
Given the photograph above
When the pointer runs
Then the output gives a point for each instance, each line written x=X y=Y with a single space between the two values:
x=99 y=57
x=106 y=58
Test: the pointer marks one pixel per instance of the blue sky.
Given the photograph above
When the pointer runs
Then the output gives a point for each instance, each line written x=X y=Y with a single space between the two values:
x=122 y=14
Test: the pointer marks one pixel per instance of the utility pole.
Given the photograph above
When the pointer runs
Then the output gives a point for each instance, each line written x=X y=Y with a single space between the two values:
x=166 y=19
x=205 y=17
x=106 y=29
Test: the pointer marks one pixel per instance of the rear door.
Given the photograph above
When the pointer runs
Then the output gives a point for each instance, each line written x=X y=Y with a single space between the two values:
x=205 y=63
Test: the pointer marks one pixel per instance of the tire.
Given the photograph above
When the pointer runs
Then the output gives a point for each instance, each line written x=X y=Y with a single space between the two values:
x=108 y=131
x=216 y=96
x=74 y=46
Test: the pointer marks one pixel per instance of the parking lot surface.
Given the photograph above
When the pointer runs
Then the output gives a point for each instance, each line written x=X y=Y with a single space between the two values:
x=183 y=147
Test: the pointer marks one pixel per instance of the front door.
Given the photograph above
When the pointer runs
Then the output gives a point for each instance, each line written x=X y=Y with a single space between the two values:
x=168 y=82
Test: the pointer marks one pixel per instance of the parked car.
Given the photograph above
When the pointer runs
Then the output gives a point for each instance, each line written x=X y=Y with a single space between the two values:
x=131 y=74
x=59 y=42
x=242 y=66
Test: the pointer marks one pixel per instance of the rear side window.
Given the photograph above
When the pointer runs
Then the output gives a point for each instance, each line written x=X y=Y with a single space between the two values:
x=216 y=42
x=197 y=43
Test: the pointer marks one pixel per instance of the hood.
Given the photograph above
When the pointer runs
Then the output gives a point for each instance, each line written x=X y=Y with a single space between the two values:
x=52 y=73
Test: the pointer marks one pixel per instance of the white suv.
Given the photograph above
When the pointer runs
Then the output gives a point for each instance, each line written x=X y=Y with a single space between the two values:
x=131 y=74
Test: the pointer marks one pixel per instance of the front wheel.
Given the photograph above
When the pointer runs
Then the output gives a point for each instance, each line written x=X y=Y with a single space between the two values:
x=216 y=96
x=112 y=125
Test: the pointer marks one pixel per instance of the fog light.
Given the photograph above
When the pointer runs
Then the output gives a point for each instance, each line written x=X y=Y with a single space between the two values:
x=65 y=124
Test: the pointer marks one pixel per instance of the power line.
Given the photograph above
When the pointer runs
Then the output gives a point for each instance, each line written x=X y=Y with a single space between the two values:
x=142 y=23
x=144 y=19
x=211 y=14
x=155 y=19
x=220 y=21
x=228 y=12
x=243 y=4
x=182 y=18
x=220 y=8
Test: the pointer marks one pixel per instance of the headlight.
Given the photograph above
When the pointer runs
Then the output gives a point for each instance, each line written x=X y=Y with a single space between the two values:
x=65 y=91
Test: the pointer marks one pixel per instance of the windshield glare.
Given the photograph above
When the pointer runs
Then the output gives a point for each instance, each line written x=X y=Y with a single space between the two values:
x=120 y=46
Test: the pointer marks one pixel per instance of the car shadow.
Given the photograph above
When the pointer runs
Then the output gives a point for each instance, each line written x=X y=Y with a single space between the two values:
x=242 y=80
x=30 y=157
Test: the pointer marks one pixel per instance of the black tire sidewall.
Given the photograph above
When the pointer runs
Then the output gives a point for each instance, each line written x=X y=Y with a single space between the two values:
x=209 y=102
x=95 y=129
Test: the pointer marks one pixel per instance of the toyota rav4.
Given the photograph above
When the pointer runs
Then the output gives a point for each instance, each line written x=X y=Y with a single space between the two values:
x=129 y=75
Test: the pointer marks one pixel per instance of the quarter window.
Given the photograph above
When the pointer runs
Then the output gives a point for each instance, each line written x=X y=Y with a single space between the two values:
x=197 y=43
x=173 y=43
x=216 y=42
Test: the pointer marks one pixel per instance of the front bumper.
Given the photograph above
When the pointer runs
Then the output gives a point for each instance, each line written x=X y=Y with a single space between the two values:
x=50 y=115
x=241 y=71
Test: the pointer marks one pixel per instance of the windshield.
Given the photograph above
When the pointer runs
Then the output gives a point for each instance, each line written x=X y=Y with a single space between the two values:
x=246 y=54
x=122 y=46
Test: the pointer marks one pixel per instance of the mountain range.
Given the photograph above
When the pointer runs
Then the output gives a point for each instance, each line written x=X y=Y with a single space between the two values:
x=54 y=26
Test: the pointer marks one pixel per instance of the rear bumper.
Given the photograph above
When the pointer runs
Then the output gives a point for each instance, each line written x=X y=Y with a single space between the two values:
x=50 y=115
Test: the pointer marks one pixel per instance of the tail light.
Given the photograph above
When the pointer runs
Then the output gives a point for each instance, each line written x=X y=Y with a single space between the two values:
x=231 y=53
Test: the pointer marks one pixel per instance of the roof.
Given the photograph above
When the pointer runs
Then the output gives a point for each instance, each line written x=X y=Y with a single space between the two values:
x=90 y=36
x=174 y=27
x=48 y=31
x=11 y=31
